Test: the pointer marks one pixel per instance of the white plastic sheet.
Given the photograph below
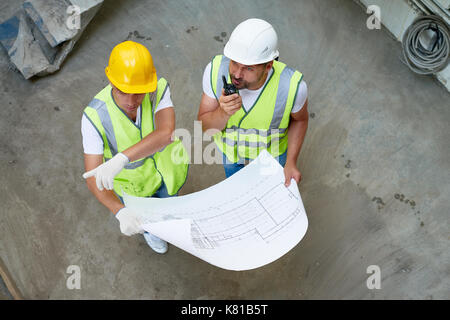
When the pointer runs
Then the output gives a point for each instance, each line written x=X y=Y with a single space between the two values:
x=241 y=223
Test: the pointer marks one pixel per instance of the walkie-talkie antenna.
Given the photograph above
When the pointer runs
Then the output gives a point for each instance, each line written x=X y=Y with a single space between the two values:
x=228 y=88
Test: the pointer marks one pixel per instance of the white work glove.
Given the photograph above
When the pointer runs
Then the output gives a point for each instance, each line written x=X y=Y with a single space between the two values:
x=130 y=222
x=105 y=173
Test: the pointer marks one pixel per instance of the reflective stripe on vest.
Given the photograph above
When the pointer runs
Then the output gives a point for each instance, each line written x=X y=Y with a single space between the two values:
x=144 y=176
x=264 y=125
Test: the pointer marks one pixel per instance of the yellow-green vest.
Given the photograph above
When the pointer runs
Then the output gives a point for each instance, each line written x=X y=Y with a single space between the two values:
x=264 y=125
x=143 y=177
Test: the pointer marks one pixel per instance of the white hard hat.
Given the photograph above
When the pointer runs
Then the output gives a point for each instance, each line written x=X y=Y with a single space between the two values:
x=253 y=41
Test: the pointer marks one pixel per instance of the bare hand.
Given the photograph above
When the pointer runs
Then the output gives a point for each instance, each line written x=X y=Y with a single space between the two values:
x=230 y=104
x=291 y=172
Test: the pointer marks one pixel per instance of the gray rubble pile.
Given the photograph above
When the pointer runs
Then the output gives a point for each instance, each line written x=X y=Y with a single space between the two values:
x=40 y=35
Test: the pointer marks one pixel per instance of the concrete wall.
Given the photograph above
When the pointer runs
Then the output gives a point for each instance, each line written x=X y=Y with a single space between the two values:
x=397 y=16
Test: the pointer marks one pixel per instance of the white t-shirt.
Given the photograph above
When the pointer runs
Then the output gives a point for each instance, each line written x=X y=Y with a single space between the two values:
x=249 y=96
x=93 y=143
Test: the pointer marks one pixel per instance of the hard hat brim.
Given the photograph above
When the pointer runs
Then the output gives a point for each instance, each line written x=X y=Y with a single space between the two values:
x=245 y=61
x=136 y=89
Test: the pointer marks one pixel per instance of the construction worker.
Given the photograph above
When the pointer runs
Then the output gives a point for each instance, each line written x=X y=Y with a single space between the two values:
x=270 y=109
x=127 y=138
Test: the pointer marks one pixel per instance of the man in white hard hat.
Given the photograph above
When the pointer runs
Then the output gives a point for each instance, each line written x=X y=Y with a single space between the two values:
x=270 y=109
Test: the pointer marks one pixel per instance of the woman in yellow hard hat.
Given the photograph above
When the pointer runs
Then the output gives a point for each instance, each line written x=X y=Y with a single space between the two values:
x=127 y=138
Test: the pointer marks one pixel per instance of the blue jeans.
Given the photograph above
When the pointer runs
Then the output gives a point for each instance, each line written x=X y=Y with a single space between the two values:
x=160 y=193
x=232 y=168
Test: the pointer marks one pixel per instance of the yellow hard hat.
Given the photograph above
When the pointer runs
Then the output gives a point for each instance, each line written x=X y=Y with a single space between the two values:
x=131 y=68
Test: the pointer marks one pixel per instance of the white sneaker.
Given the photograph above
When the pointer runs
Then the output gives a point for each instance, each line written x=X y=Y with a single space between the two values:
x=157 y=244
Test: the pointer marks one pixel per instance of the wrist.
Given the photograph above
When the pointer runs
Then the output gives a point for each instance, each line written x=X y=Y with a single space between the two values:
x=118 y=209
x=223 y=114
x=291 y=161
x=123 y=157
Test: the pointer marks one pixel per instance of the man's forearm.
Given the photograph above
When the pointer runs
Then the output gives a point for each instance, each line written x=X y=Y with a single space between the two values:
x=151 y=144
x=296 y=134
x=106 y=197
x=216 y=119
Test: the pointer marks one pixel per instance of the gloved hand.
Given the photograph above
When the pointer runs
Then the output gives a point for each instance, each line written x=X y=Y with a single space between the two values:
x=105 y=173
x=130 y=222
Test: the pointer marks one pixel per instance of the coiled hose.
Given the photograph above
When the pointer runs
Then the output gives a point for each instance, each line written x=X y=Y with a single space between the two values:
x=429 y=60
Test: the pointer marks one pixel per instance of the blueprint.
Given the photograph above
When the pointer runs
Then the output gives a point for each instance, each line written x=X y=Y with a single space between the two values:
x=241 y=223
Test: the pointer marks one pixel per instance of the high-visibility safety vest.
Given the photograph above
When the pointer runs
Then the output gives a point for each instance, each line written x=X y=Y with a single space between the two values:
x=264 y=125
x=143 y=177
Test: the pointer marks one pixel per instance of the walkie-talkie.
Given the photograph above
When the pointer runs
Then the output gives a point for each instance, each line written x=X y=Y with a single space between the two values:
x=229 y=88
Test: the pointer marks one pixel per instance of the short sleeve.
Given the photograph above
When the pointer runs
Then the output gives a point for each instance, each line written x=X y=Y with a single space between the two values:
x=207 y=89
x=302 y=95
x=166 y=101
x=92 y=142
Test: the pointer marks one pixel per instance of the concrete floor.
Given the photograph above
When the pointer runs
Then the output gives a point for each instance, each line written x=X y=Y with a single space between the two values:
x=376 y=132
